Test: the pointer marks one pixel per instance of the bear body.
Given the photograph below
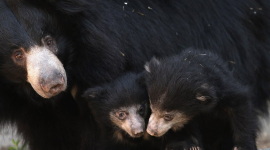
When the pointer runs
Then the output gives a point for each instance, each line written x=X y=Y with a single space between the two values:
x=198 y=84
x=35 y=62
x=136 y=31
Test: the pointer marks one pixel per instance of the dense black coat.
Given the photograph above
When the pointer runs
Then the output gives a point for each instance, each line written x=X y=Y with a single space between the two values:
x=127 y=35
x=110 y=39
x=199 y=85
x=135 y=31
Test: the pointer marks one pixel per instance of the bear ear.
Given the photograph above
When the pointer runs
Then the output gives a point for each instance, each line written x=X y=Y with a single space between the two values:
x=153 y=61
x=206 y=93
x=93 y=93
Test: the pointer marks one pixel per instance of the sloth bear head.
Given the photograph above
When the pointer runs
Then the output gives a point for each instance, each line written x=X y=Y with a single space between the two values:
x=179 y=89
x=32 y=49
x=121 y=107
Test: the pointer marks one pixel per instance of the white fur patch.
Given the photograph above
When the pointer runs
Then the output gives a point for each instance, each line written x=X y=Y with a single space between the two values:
x=263 y=139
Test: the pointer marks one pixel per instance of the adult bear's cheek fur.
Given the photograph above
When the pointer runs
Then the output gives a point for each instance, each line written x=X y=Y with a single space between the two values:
x=45 y=72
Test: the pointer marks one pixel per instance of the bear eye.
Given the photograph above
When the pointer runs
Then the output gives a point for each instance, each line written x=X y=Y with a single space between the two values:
x=18 y=54
x=141 y=110
x=168 y=117
x=121 y=115
x=49 y=41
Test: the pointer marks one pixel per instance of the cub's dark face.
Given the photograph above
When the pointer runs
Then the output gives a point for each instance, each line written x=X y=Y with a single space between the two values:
x=176 y=96
x=121 y=106
x=130 y=119
x=31 y=45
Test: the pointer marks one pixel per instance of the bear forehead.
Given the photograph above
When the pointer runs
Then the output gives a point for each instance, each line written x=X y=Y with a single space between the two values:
x=11 y=31
x=25 y=14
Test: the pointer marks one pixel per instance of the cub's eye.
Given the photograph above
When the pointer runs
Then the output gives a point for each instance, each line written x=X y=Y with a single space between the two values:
x=141 y=110
x=121 y=115
x=18 y=54
x=168 y=117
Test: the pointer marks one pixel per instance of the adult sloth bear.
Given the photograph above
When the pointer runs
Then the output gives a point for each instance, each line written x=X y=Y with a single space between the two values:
x=35 y=62
x=109 y=38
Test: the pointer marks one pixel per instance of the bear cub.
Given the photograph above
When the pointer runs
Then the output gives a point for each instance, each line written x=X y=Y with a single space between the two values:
x=121 y=109
x=198 y=84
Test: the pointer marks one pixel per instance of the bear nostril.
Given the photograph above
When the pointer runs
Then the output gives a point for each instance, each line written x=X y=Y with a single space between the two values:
x=44 y=87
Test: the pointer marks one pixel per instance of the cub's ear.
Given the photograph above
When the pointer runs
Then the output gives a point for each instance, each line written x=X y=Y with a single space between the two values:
x=93 y=93
x=206 y=93
x=154 y=61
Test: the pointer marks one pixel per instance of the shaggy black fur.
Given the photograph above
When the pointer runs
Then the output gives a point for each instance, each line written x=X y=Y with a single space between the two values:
x=108 y=40
x=199 y=84
x=126 y=35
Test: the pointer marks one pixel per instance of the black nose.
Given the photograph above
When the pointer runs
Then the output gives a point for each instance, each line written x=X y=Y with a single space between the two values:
x=52 y=83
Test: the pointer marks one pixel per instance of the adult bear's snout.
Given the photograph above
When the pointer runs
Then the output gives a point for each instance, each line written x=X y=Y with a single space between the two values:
x=45 y=72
